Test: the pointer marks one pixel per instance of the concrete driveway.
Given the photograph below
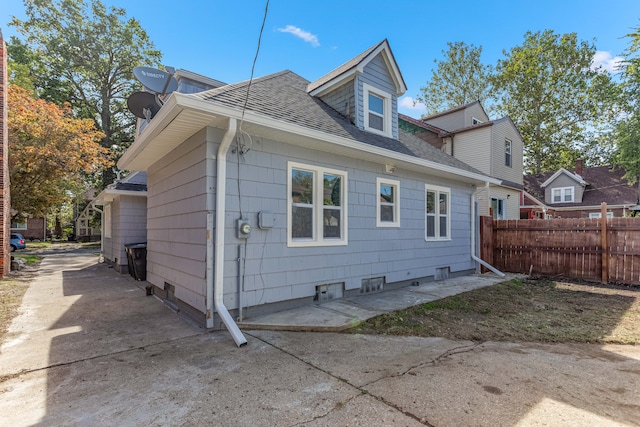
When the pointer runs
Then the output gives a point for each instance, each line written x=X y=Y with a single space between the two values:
x=90 y=348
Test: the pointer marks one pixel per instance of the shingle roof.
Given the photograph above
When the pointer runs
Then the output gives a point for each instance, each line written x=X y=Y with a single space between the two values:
x=283 y=96
x=423 y=125
x=342 y=68
x=451 y=110
x=604 y=185
x=127 y=186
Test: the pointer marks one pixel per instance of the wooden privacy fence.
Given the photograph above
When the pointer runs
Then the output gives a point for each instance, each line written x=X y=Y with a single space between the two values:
x=571 y=248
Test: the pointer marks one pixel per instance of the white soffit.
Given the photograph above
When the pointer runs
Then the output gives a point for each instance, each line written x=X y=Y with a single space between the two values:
x=183 y=126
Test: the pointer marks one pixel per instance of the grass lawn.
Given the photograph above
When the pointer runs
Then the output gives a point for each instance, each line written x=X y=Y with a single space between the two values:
x=533 y=310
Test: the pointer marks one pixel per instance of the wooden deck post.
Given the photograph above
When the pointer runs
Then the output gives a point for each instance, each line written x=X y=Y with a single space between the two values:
x=603 y=244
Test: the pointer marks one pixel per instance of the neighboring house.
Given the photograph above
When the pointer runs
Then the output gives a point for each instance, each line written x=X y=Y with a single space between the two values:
x=310 y=193
x=493 y=147
x=579 y=194
x=85 y=231
x=124 y=218
x=31 y=228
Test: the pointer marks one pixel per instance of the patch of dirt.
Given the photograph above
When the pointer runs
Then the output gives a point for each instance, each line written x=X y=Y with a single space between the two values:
x=532 y=310
x=12 y=289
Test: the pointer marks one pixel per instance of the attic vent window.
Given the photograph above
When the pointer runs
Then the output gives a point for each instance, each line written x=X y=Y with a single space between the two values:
x=377 y=110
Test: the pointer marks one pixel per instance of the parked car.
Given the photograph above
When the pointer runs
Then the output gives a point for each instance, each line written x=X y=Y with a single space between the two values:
x=17 y=242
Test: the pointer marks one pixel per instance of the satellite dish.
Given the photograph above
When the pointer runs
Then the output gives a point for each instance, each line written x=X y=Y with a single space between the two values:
x=156 y=81
x=143 y=105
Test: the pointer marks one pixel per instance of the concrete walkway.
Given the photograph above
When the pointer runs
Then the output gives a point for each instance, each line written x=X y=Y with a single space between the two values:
x=339 y=315
x=90 y=348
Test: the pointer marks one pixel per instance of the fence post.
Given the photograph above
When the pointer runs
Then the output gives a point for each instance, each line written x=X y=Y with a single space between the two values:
x=486 y=240
x=603 y=244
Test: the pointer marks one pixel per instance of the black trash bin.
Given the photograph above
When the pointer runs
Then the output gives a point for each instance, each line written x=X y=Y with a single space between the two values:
x=137 y=260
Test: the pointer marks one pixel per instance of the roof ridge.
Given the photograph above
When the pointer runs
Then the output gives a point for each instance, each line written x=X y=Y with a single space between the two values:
x=342 y=68
x=241 y=84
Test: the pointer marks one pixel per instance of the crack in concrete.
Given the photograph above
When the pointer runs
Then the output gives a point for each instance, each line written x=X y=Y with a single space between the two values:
x=12 y=375
x=434 y=361
x=362 y=390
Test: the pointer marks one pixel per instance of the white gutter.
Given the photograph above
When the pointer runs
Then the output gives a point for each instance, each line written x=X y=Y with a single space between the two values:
x=215 y=281
x=178 y=102
x=473 y=232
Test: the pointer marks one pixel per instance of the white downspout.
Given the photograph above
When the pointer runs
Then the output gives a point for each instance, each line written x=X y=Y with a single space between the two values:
x=215 y=279
x=473 y=232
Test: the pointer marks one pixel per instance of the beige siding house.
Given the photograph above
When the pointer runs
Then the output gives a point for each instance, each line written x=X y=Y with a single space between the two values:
x=124 y=218
x=494 y=147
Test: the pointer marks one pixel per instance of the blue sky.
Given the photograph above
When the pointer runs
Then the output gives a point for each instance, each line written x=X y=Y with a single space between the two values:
x=218 y=38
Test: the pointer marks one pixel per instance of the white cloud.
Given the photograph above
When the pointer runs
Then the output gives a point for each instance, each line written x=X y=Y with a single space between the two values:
x=302 y=34
x=606 y=61
x=411 y=104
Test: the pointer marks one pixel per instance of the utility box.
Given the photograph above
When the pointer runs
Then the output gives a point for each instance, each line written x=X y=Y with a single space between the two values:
x=266 y=219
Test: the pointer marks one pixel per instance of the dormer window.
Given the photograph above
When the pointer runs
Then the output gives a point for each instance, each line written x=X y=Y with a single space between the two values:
x=562 y=195
x=377 y=110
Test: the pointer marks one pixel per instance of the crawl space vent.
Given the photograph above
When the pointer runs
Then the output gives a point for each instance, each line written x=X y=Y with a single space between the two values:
x=329 y=292
x=442 y=273
x=373 y=284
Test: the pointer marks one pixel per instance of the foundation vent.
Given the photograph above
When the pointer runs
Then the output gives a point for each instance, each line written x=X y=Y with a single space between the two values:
x=171 y=292
x=329 y=292
x=442 y=273
x=370 y=285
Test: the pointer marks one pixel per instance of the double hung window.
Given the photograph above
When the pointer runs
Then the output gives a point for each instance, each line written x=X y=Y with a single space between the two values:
x=388 y=203
x=562 y=194
x=377 y=110
x=437 y=213
x=317 y=206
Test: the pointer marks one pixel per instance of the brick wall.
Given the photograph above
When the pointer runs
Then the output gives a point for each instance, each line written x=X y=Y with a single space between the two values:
x=5 y=203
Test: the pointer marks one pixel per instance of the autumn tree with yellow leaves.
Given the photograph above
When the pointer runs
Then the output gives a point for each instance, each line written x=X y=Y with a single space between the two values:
x=51 y=153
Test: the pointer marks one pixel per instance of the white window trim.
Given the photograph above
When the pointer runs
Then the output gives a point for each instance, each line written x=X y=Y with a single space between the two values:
x=396 y=203
x=107 y=221
x=387 y=107
x=504 y=206
x=437 y=189
x=561 y=190
x=318 y=239
x=475 y=121
x=20 y=226
x=598 y=215
x=508 y=150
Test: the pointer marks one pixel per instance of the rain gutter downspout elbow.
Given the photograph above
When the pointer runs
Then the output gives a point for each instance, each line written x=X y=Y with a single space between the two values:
x=215 y=281
x=473 y=233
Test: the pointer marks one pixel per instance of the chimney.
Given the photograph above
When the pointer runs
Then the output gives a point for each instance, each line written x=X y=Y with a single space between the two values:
x=579 y=167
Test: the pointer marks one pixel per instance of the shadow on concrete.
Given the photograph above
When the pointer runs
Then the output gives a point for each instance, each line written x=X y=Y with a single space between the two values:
x=118 y=357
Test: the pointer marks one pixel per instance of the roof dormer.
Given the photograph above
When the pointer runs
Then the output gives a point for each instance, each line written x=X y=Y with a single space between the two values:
x=366 y=90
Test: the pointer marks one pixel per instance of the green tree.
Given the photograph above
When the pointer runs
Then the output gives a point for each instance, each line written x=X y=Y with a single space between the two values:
x=627 y=154
x=559 y=102
x=460 y=78
x=28 y=70
x=92 y=50
x=50 y=152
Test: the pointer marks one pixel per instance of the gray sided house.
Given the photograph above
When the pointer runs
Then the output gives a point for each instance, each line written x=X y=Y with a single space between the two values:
x=580 y=193
x=310 y=193
x=124 y=218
